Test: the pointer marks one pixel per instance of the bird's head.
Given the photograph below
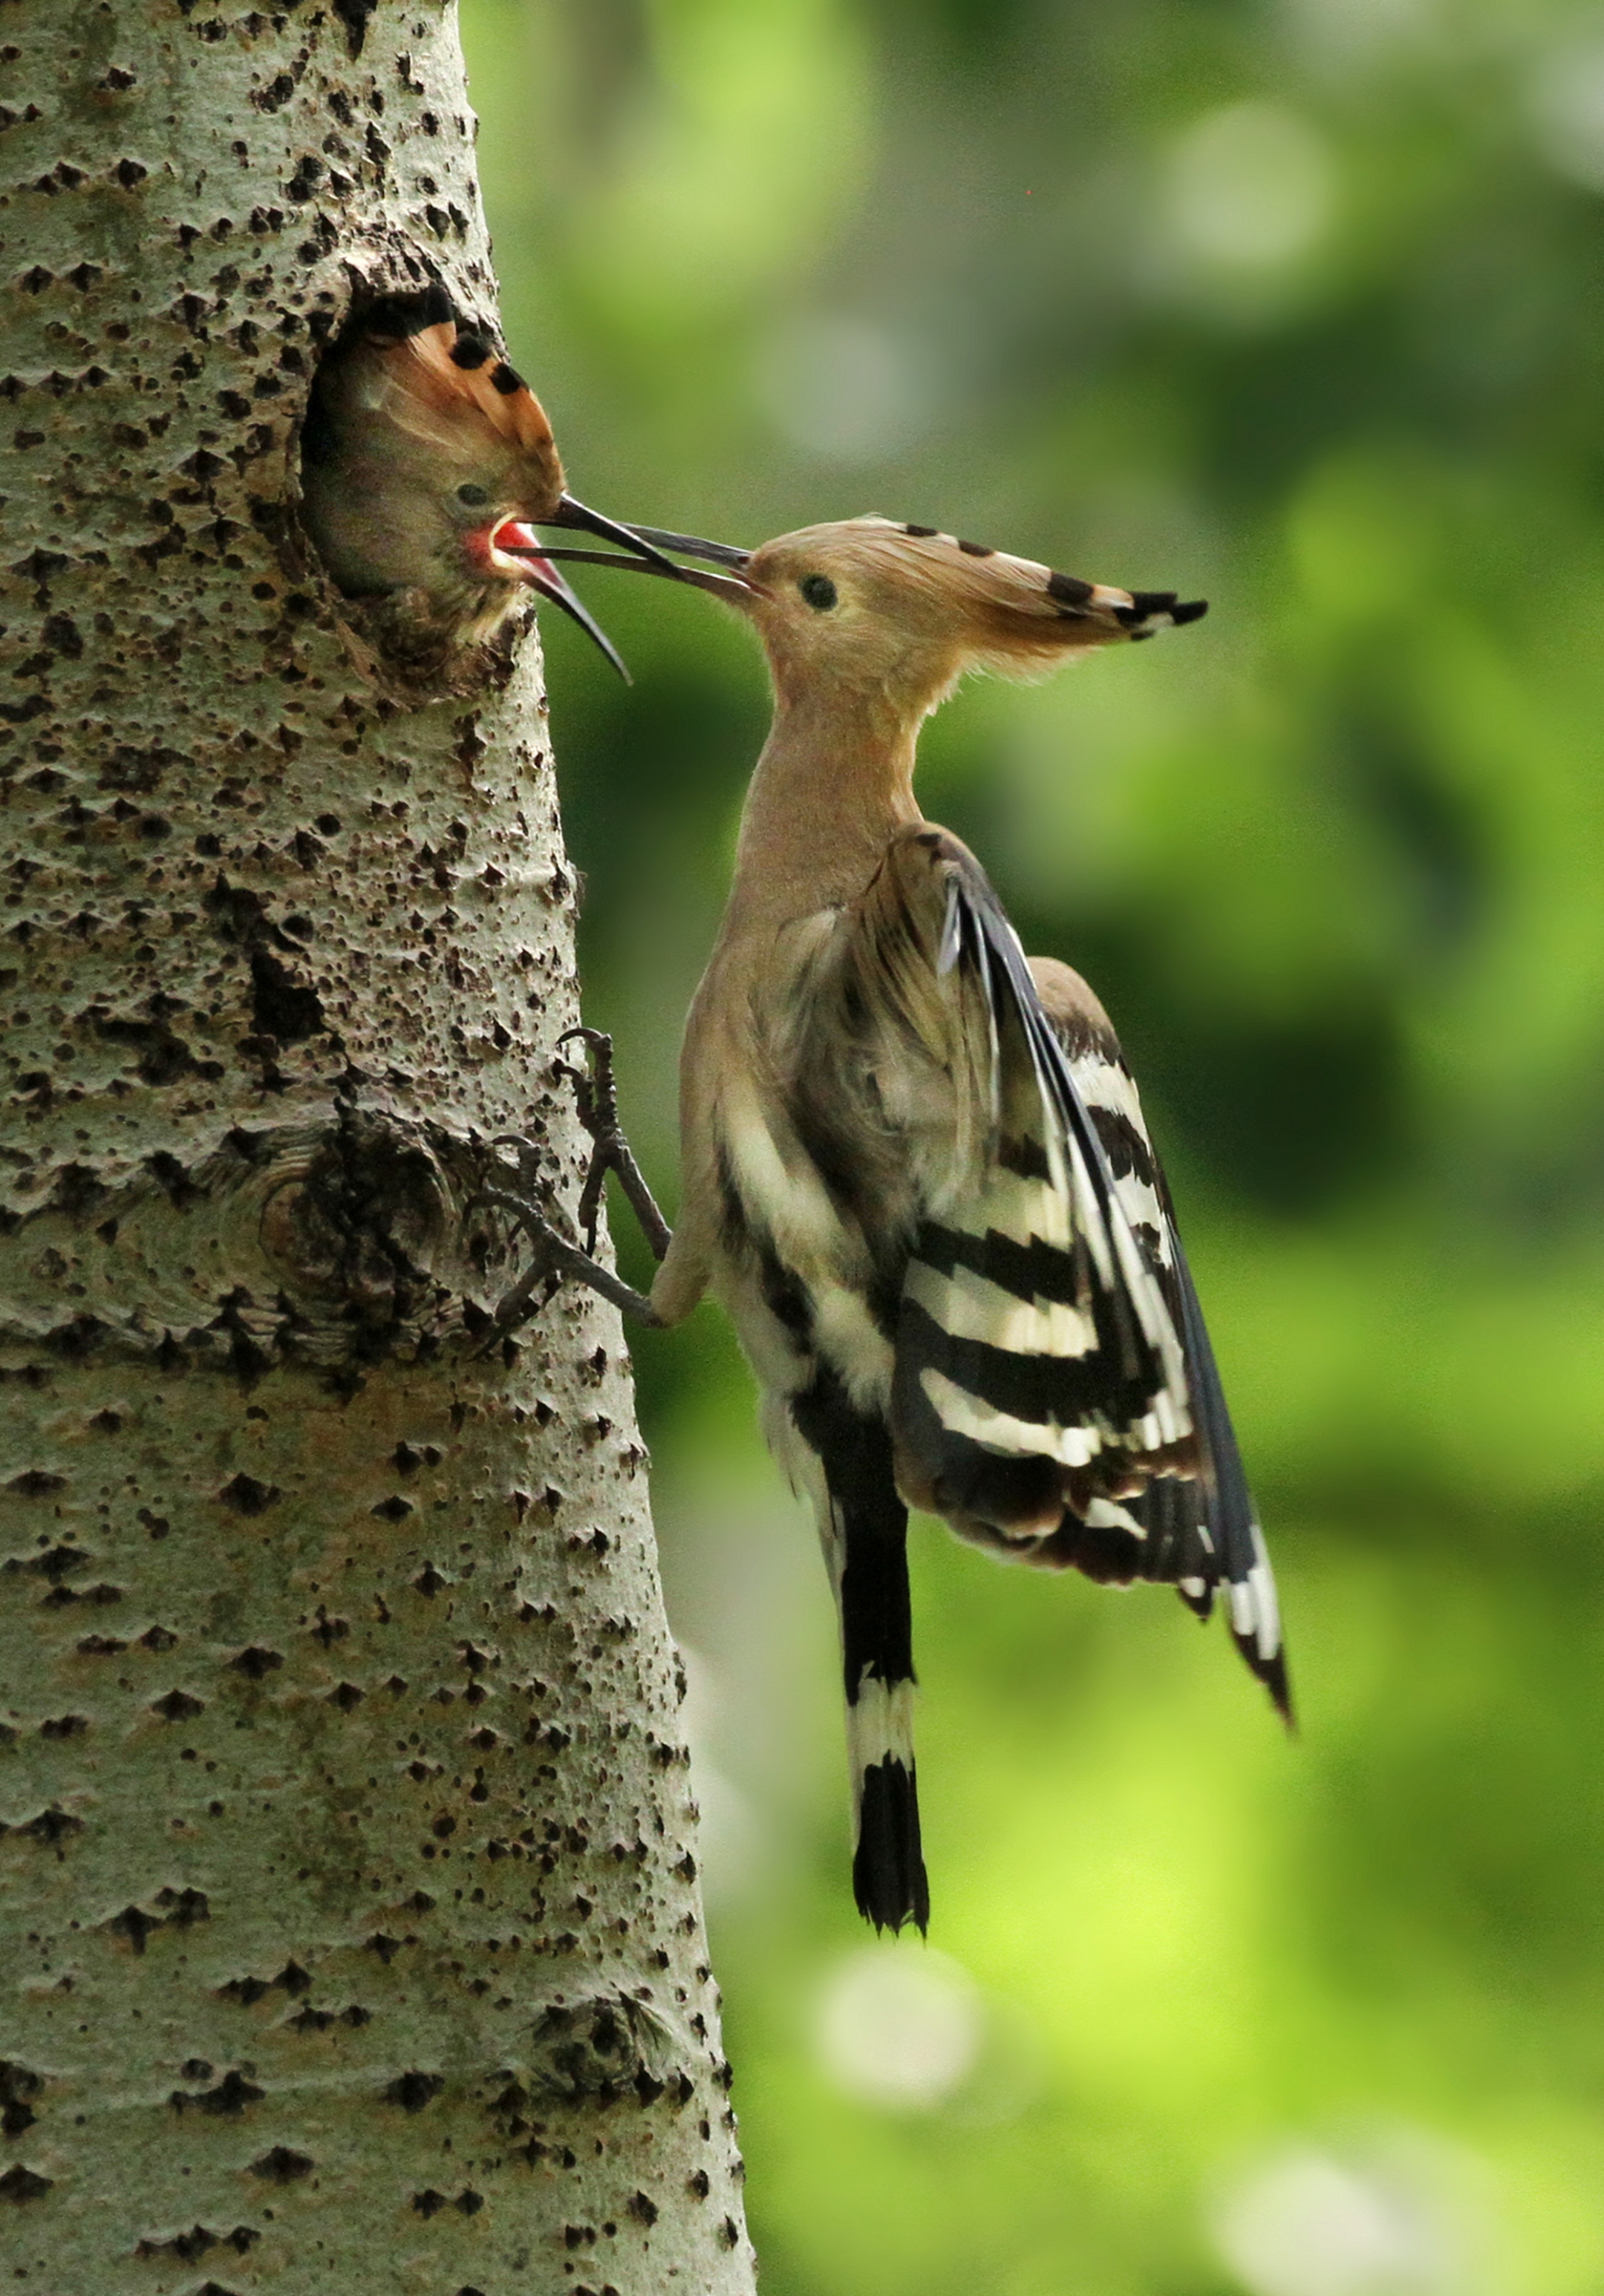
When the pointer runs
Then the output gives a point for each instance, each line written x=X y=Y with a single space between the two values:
x=905 y=611
x=427 y=464
x=910 y=610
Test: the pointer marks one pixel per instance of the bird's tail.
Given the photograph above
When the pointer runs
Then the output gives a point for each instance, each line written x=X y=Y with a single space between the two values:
x=888 y=1866
x=864 y=1526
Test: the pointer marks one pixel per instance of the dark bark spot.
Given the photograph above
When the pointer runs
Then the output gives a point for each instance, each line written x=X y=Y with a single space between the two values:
x=255 y=1661
x=190 y=2247
x=161 y=1056
x=177 y=1706
x=138 y=770
x=184 y=1908
x=244 y=1990
x=19 y=2085
x=20 y=2184
x=232 y=2095
x=412 y=2091
x=54 y=1564
x=62 y=636
x=133 y=1924
x=50 y=1826
x=353 y=15
x=174 y=1182
x=245 y=1496
x=281 y=2166
x=280 y=1007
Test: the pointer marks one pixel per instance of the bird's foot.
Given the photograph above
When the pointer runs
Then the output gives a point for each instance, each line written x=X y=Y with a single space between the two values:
x=556 y=1260
x=596 y=1097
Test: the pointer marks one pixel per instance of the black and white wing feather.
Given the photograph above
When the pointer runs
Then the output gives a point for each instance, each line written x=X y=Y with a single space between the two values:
x=1055 y=1394
x=1203 y=1530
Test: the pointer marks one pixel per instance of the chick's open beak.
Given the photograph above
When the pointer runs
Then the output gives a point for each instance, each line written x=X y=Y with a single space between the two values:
x=517 y=541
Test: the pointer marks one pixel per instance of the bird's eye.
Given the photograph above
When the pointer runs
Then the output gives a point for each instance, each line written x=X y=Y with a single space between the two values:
x=476 y=497
x=819 y=591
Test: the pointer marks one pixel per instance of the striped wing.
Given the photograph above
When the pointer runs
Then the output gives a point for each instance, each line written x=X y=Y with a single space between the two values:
x=1203 y=1530
x=1055 y=1394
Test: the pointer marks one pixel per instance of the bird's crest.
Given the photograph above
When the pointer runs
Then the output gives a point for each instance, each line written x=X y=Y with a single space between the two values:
x=443 y=380
x=1017 y=584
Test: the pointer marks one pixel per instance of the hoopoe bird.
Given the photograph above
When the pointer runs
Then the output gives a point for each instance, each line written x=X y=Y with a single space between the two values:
x=427 y=463
x=915 y=1168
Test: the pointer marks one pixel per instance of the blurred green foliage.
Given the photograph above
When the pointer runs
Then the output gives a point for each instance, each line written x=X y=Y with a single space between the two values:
x=1298 y=304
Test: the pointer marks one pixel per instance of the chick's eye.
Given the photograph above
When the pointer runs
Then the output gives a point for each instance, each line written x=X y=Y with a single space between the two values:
x=819 y=591
x=476 y=497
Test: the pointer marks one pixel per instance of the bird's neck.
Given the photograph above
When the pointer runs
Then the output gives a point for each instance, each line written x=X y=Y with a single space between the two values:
x=833 y=785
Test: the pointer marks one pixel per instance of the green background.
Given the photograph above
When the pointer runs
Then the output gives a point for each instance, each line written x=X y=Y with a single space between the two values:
x=1299 y=307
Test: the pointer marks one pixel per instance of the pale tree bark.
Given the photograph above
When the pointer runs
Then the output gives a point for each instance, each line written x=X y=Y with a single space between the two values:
x=350 y=1931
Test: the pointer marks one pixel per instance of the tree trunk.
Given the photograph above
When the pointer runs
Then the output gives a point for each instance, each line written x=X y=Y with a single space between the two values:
x=349 y=1929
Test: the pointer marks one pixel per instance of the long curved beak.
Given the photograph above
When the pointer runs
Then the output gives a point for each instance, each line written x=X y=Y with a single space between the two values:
x=516 y=540
x=691 y=545
x=641 y=541
x=652 y=541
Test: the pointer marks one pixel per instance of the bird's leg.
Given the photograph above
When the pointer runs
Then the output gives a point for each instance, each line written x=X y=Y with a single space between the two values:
x=555 y=1259
x=597 y=1098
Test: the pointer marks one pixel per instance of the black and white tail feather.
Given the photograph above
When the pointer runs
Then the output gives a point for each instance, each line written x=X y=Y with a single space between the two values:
x=863 y=1528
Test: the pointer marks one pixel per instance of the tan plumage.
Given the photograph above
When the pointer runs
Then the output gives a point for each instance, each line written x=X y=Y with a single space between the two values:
x=915 y=1168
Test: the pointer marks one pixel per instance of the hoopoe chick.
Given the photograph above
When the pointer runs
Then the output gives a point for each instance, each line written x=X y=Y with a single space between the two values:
x=915 y=1168
x=426 y=465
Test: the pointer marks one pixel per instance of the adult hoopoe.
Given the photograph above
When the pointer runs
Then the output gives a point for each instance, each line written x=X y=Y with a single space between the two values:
x=915 y=1168
x=426 y=465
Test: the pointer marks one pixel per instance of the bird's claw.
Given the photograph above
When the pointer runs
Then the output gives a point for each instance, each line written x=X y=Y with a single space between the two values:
x=596 y=1099
x=555 y=1260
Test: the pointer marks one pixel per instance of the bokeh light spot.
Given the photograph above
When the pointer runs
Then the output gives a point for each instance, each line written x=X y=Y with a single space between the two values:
x=1250 y=187
x=1566 y=106
x=843 y=388
x=900 y=2029
x=1399 y=2216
